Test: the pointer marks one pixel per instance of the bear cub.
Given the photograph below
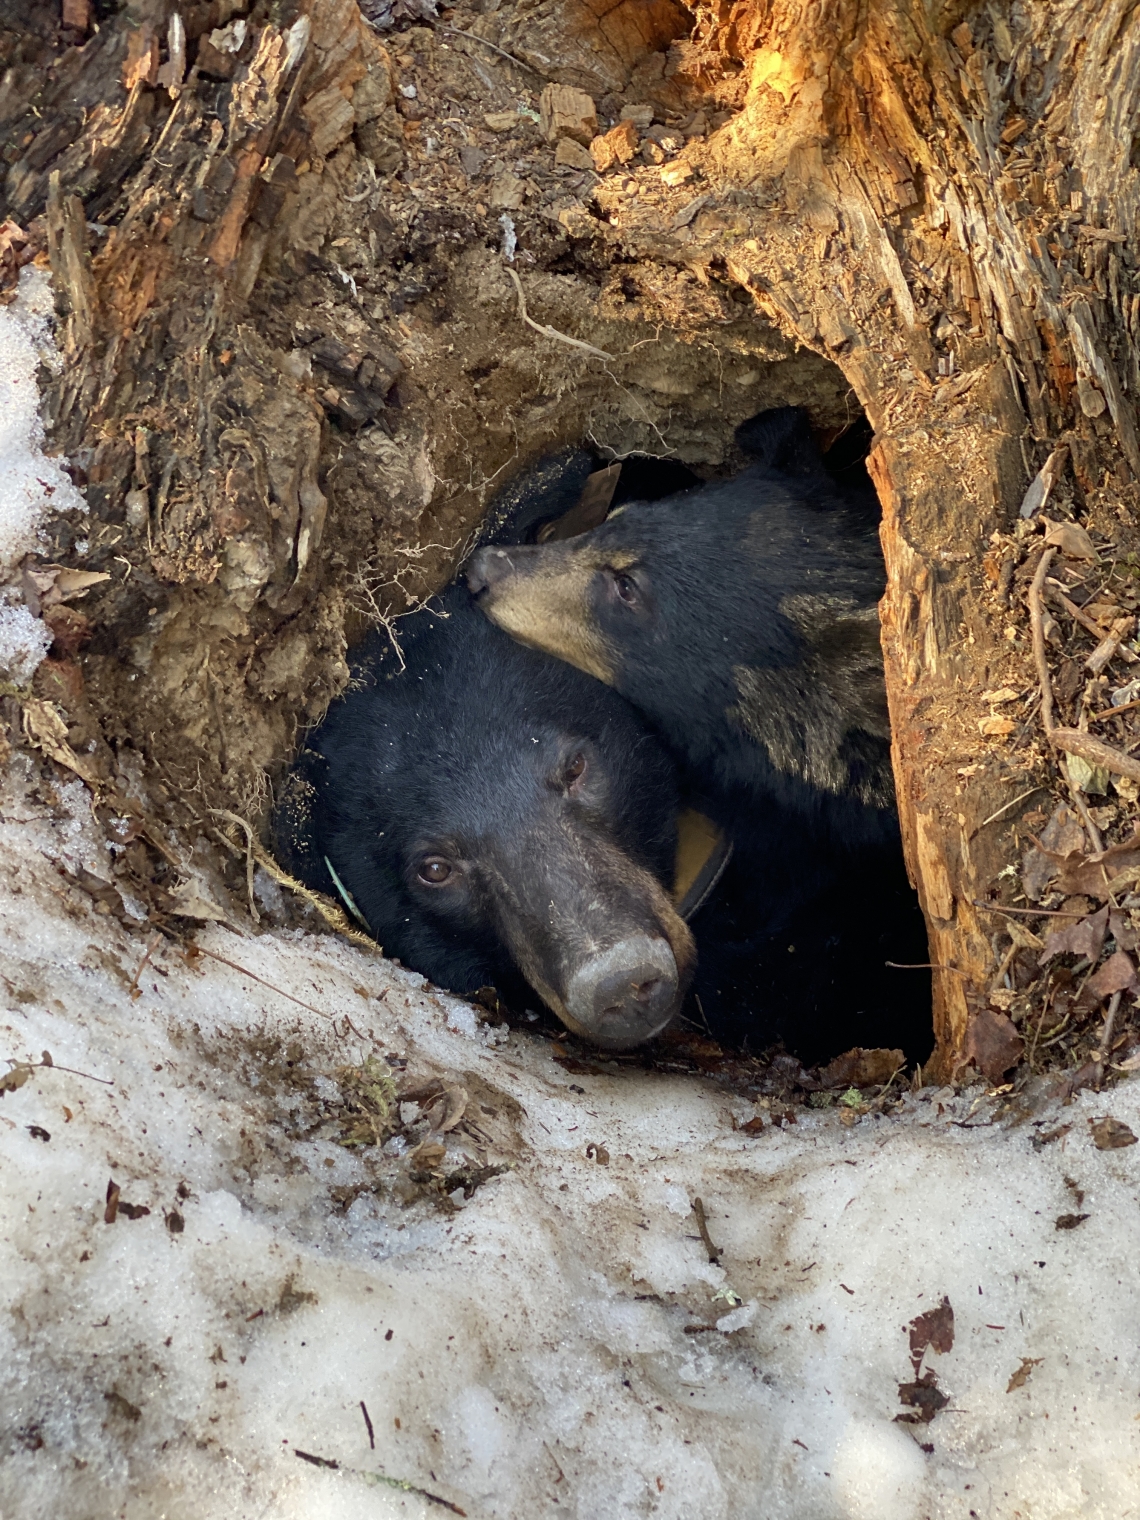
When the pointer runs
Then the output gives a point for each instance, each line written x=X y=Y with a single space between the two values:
x=496 y=818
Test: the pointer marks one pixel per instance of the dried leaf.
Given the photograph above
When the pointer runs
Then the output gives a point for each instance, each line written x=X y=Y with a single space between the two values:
x=935 y=1329
x=46 y=730
x=1093 y=875
x=1110 y=1134
x=992 y=1044
x=1043 y=482
x=1071 y=539
x=16 y=250
x=427 y=1156
x=1083 y=938
x=924 y=1397
x=54 y=584
x=447 y=1110
x=1074 y=741
x=105 y=893
x=189 y=902
x=1116 y=975
x=1069 y=1221
x=72 y=583
x=1046 y=1137
x=1062 y=836
x=15 y=1078
x=861 y=1068
x=1123 y=933
x=597 y=1153
x=996 y=728
x=1021 y=1376
x=1086 y=777
x=1023 y=938
x=755 y=1126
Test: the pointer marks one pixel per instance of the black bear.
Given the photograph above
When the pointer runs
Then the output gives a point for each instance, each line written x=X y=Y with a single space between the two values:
x=740 y=617
x=492 y=815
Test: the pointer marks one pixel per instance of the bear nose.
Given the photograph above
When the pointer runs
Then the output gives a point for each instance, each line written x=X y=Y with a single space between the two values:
x=626 y=994
x=486 y=567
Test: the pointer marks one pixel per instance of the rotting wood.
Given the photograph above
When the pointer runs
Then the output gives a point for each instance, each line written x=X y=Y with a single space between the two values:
x=951 y=223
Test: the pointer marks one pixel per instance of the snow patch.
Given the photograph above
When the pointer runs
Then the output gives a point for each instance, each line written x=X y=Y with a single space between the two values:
x=31 y=482
x=24 y=640
x=559 y=1346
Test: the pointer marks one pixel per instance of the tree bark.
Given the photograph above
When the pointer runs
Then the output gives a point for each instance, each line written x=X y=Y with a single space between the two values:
x=935 y=206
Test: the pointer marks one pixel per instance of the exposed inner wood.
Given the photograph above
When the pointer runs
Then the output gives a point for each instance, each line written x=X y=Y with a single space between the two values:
x=296 y=374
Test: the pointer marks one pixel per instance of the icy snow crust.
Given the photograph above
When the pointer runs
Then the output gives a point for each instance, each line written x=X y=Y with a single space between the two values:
x=30 y=482
x=527 y=1356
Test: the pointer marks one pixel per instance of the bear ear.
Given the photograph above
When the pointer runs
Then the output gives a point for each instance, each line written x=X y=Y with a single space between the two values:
x=588 y=512
x=703 y=851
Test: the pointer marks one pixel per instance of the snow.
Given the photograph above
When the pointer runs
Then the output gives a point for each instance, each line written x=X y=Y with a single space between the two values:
x=557 y=1345
x=31 y=482
x=532 y=1346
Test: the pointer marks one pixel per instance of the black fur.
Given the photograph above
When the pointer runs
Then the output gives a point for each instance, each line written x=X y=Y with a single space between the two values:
x=752 y=646
x=753 y=642
x=457 y=751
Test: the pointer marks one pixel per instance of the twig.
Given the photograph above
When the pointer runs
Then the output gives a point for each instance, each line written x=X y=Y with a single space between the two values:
x=50 y=1065
x=552 y=332
x=243 y=825
x=1006 y=962
x=331 y=912
x=375 y=1480
x=1085 y=621
x=233 y=965
x=703 y=1226
x=1005 y=808
x=1040 y=658
x=1037 y=628
x=1026 y=912
x=922 y=966
x=561 y=1478
x=1114 y=712
x=1056 y=1033
x=368 y=1425
x=1101 y=1055
x=134 y=990
x=1076 y=742
x=510 y=57
x=1079 y=803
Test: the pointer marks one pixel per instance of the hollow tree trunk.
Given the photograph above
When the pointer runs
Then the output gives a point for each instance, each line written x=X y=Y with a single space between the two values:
x=296 y=365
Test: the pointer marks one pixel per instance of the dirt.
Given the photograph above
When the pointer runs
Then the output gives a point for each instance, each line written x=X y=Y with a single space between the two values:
x=301 y=367
x=208 y=650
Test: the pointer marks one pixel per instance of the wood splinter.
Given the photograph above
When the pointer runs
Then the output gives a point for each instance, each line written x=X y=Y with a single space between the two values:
x=1072 y=741
x=703 y=1227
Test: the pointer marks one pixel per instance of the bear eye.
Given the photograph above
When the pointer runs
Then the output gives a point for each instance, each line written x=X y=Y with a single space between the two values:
x=574 y=771
x=626 y=587
x=434 y=870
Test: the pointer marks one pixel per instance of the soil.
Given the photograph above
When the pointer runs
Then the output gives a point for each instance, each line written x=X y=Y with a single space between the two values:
x=328 y=285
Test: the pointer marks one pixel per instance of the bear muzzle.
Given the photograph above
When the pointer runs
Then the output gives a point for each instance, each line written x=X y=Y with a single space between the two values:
x=486 y=568
x=625 y=995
